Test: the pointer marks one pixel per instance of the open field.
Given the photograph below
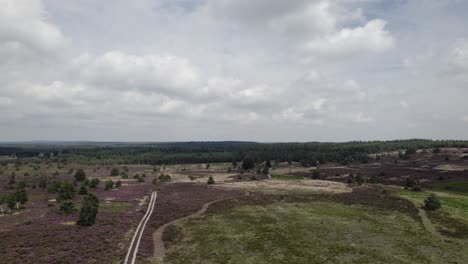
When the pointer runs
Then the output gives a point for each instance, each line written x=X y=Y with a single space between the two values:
x=308 y=232
x=295 y=213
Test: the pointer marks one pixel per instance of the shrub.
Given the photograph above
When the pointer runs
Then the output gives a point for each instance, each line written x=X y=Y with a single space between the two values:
x=118 y=184
x=114 y=172
x=410 y=182
x=66 y=207
x=83 y=190
x=89 y=210
x=124 y=175
x=316 y=175
x=248 y=164
x=164 y=178
x=210 y=180
x=416 y=189
x=109 y=185
x=432 y=203
x=80 y=175
x=94 y=183
x=382 y=173
x=66 y=191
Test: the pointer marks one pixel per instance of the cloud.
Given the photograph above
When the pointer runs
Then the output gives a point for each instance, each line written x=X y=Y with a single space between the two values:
x=151 y=72
x=372 y=37
x=22 y=22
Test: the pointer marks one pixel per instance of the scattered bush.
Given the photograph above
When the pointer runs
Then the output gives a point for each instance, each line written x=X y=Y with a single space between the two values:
x=109 y=185
x=66 y=191
x=248 y=164
x=316 y=175
x=89 y=210
x=66 y=207
x=83 y=190
x=164 y=178
x=432 y=203
x=210 y=180
x=94 y=183
x=114 y=172
x=80 y=175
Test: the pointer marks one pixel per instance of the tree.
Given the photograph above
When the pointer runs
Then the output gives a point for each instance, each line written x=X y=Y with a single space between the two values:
x=210 y=180
x=109 y=185
x=114 y=172
x=83 y=190
x=248 y=164
x=316 y=175
x=66 y=192
x=94 y=183
x=66 y=207
x=89 y=210
x=21 y=197
x=11 y=201
x=432 y=203
x=80 y=175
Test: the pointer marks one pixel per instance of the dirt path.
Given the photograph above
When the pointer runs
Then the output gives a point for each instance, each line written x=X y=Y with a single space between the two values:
x=135 y=243
x=159 y=248
x=428 y=224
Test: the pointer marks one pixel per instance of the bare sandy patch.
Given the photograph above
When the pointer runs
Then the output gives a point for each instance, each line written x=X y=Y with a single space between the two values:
x=451 y=167
x=309 y=186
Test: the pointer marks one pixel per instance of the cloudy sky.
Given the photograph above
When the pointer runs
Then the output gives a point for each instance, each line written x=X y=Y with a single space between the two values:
x=264 y=70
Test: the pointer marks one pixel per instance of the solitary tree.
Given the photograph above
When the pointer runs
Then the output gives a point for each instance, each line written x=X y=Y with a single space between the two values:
x=316 y=175
x=80 y=175
x=66 y=207
x=21 y=197
x=83 y=190
x=114 y=172
x=11 y=201
x=248 y=164
x=66 y=191
x=109 y=185
x=432 y=202
x=210 y=180
x=89 y=210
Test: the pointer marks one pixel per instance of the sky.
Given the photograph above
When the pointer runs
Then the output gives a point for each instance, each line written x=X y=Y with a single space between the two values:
x=260 y=70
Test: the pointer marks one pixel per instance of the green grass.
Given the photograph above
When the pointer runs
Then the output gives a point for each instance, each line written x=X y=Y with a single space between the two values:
x=114 y=207
x=286 y=177
x=456 y=187
x=310 y=232
x=455 y=204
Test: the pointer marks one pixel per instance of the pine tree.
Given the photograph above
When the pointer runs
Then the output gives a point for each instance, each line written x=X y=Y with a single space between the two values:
x=89 y=210
x=80 y=175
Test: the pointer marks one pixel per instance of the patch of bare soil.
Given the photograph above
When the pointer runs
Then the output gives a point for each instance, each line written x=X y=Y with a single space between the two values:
x=309 y=186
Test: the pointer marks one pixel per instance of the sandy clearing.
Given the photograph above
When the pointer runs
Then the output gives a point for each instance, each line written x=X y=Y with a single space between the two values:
x=309 y=186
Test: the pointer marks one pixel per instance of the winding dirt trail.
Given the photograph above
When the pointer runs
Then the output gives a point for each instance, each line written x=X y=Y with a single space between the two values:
x=159 y=249
x=428 y=224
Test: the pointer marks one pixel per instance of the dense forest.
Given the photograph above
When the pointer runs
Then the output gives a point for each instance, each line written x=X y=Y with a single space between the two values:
x=210 y=152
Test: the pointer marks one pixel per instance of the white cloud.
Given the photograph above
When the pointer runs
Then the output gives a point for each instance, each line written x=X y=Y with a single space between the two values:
x=372 y=37
x=22 y=22
x=151 y=72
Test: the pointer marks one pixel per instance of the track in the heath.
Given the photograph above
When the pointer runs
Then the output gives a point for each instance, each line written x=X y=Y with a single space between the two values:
x=135 y=243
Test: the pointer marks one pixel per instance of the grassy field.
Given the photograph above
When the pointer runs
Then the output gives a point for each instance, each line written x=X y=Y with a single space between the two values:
x=455 y=204
x=308 y=232
x=455 y=186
